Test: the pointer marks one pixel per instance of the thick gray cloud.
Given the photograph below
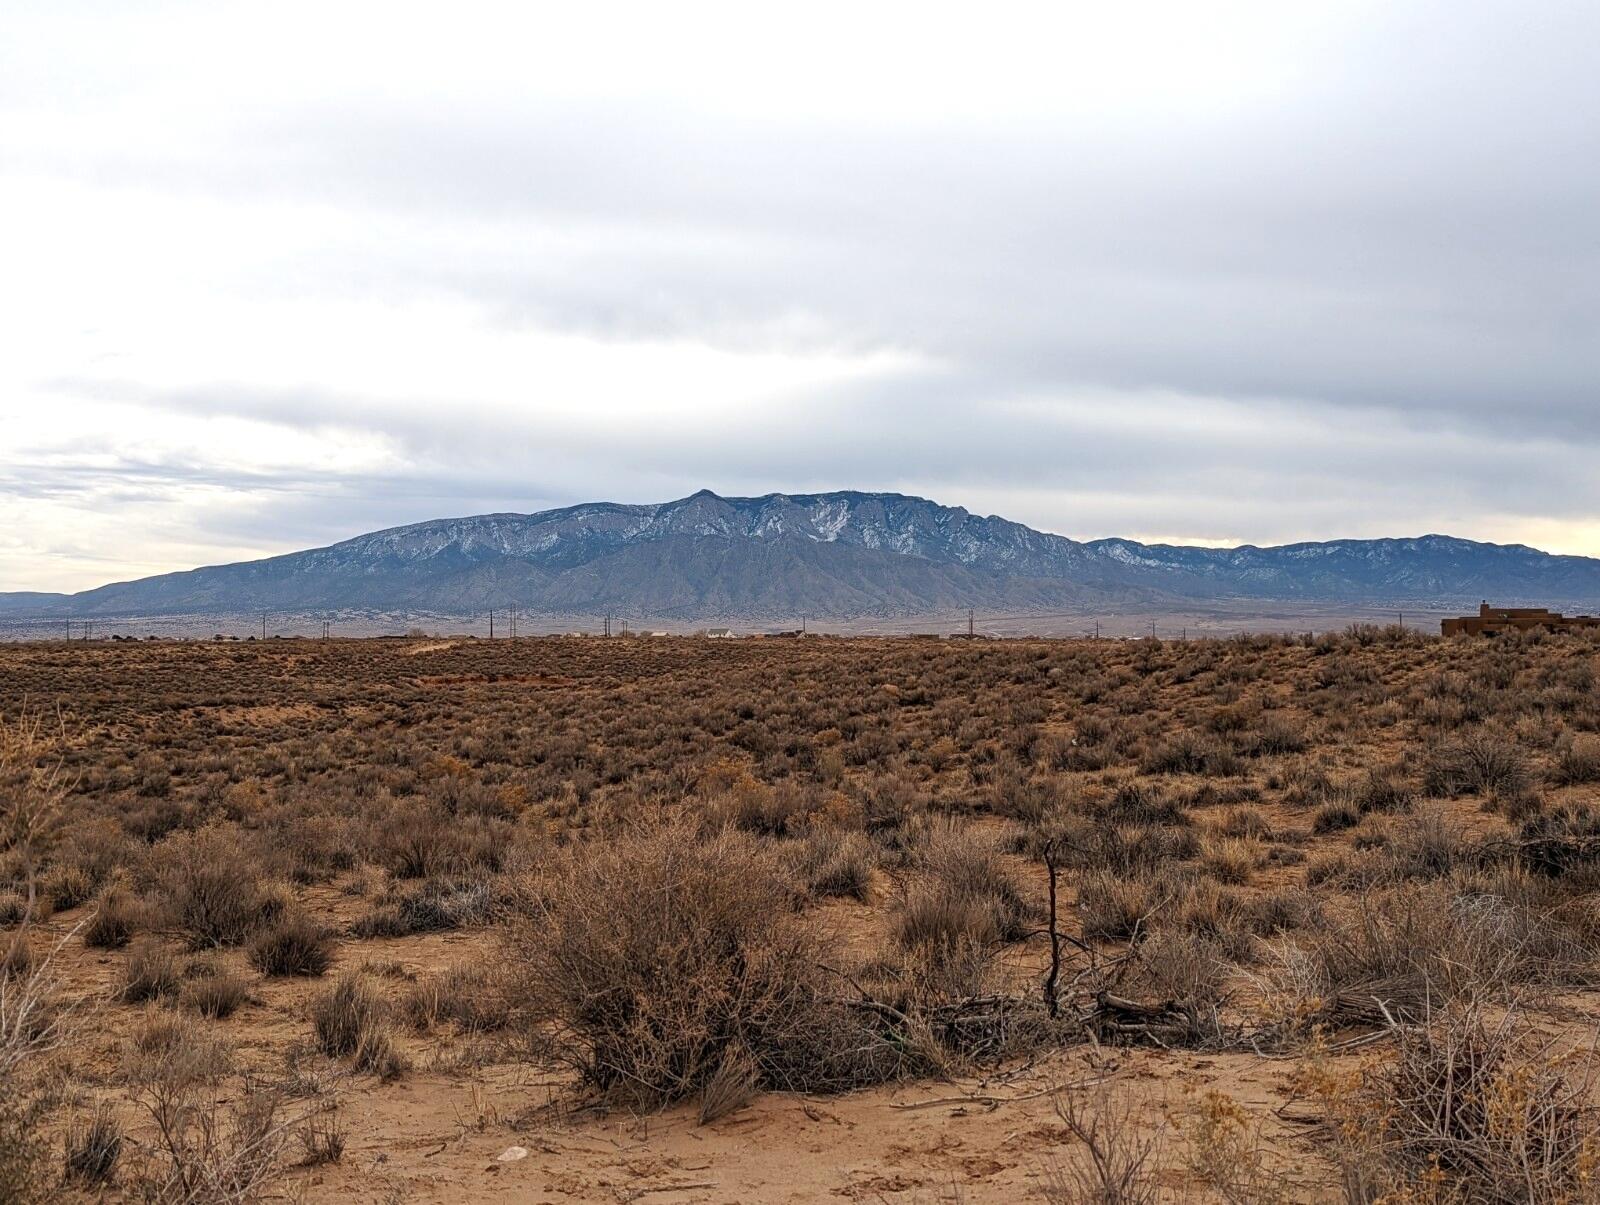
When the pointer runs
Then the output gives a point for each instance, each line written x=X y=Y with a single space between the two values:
x=1359 y=297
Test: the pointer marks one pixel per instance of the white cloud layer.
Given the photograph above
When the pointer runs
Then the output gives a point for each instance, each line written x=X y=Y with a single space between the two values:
x=278 y=274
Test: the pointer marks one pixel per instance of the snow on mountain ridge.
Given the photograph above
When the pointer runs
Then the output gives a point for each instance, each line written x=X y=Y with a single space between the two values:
x=844 y=552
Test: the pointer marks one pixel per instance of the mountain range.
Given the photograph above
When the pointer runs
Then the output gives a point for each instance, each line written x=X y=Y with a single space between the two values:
x=832 y=555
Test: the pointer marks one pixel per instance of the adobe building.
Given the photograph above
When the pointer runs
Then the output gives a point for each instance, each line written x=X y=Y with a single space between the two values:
x=1491 y=620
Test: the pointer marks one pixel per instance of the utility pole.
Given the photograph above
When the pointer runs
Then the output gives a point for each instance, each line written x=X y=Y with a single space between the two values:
x=608 y=625
x=1097 y=629
x=1152 y=629
x=263 y=625
x=802 y=625
x=491 y=623
x=969 y=623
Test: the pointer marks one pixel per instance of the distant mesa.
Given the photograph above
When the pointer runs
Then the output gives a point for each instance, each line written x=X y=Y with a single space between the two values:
x=765 y=562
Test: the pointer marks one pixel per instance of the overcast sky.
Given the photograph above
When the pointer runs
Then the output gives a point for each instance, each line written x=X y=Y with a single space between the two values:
x=278 y=274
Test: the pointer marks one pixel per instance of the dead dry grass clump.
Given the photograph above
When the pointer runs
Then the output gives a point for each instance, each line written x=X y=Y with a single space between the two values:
x=1563 y=843
x=755 y=807
x=1578 y=761
x=23 y=1153
x=351 y=1020
x=215 y=992
x=1424 y=846
x=1400 y=951
x=1185 y=969
x=949 y=939
x=473 y=997
x=657 y=956
x=152 y=971
x=93 y=1146
x=1471 y=1107
x=1123 y=848
x=166 y=1050
x=966 y=864
x=1232 y=860
x=834 y=863
x=292 y=945
x=1111 y=908
x=118 y=915
x=66 y=886
x=434 y=906
x=420 y=840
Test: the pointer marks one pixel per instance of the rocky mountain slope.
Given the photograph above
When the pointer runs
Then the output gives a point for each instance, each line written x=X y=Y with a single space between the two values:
x=839 y=555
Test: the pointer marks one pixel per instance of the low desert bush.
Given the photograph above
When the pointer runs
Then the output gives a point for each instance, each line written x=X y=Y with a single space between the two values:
x=1225 y=1150
x=292 y=945
x=1112 y=908
x=1336 y=815
x=118 y=915
x=1429 y=845
x=204 y=1149
x=962 y=863
x=322 y=1138
x=1193 y=753
x=216 y=995
x=1140 y=803
x=1476 y=763
x=65 y=886
x=207 y=886
x=1564 y=842
x=1187 y=968
x=16 y=957
x=756 y=807
x=1578 y=762
x=1276 y=736
x=351 y=1020
x=430 y=907
x=1245 y=822
x=950 y=938
x=151 y=972
x=1121 y=848
x=1477 y=937
x=471 y=996
x=1232 y=860
x=166 y=1050
x=833 y=862
x=344 y=1013
x=1386 y=789
x=657 y=953
x=423 y=841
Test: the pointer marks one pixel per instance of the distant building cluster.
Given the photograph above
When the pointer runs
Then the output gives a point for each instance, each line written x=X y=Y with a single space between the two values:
x=1492 y=620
